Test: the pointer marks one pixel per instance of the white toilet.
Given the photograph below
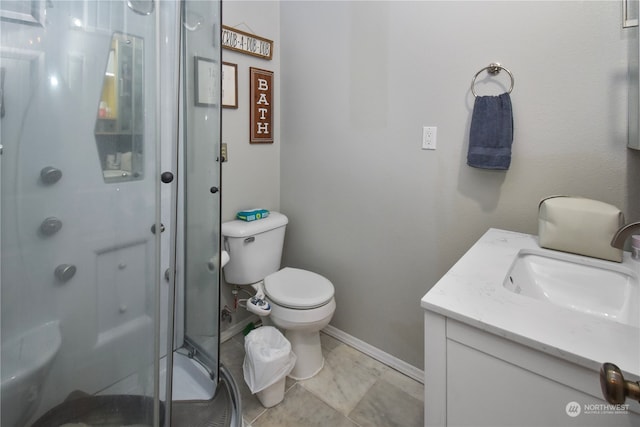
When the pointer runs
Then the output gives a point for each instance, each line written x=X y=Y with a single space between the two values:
x=300 y=302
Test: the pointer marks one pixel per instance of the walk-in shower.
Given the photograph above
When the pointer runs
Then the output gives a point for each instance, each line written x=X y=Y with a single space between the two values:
x=110 y=214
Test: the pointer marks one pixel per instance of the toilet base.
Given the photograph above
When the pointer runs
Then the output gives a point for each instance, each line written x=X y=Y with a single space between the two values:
x=306 y=346
x=302 y=329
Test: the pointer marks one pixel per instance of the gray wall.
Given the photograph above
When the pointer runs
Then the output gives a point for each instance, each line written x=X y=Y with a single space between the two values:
x=251 y=177
x=356 y=81
x=383 y=219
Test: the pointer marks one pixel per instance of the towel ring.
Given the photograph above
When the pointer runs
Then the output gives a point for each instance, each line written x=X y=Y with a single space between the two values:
x=493 y=68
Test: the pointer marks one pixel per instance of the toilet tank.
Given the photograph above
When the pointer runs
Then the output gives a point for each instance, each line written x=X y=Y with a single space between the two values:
x=255 y=248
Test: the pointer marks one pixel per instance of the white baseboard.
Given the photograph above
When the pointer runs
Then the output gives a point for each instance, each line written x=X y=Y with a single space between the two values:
x=374 y=352
x=233 y=330
x=371 y=351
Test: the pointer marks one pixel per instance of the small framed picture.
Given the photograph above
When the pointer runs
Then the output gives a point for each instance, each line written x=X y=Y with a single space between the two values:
x=205 y=81
x=229 y=85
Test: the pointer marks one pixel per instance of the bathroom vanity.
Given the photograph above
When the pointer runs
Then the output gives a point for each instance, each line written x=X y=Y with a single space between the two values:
x=497 y=354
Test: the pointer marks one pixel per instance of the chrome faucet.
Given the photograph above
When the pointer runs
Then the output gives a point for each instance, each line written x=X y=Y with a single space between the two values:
x=623 y=234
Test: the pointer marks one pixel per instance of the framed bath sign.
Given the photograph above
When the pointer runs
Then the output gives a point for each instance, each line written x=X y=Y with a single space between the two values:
x=261 y=105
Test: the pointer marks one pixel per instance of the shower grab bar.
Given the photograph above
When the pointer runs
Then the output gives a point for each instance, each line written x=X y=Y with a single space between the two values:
x=493 y=68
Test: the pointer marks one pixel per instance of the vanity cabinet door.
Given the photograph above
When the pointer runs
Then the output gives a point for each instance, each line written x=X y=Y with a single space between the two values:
x=483 y=390
x=476 y=378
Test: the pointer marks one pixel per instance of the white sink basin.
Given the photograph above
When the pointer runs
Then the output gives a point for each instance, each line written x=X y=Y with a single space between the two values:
x=599 y=288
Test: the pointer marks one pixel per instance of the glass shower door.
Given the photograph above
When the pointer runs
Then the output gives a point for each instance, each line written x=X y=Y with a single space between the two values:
x=79 y=198
x=201 y=177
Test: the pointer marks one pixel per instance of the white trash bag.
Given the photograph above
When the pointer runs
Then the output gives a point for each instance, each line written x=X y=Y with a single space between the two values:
x=268 y=358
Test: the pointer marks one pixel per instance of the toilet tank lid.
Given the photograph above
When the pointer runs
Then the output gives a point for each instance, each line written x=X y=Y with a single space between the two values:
x=238 y=228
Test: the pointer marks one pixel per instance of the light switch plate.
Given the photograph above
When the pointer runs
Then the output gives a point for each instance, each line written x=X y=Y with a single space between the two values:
x=223 y=153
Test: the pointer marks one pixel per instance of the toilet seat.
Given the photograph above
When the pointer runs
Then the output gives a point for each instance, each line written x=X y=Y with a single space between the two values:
x=298 y=289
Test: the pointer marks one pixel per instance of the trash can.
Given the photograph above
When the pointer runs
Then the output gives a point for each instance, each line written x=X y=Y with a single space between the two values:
x=268 y=360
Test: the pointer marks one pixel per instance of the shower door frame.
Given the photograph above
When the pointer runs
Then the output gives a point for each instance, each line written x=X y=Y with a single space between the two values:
x=189 y=106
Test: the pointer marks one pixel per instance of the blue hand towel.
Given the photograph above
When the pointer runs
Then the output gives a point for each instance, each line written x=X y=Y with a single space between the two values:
x=491 y=133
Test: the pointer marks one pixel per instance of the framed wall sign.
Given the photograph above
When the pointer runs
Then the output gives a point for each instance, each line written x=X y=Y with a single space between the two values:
x=246 y=43
x=205 y=81
x=261 y=105
x=229 y=85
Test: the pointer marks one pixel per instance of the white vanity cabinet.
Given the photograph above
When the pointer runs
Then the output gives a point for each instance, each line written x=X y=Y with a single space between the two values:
x=475 y=378
x=495 y=358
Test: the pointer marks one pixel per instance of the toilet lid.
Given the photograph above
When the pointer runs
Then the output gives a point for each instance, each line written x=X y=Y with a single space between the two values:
x=296 y=288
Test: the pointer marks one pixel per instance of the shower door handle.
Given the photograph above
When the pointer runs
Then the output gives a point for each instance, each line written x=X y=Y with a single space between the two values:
x=166 y=177
x=614 y=387
x=153 y=228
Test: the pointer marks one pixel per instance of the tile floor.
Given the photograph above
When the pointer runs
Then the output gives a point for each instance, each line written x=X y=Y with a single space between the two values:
x=351 y=390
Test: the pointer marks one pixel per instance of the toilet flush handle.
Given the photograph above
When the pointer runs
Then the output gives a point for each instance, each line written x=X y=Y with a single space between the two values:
x=250 y=239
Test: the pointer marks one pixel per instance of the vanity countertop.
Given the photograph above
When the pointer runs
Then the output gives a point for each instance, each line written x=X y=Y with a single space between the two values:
x=472 y=292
